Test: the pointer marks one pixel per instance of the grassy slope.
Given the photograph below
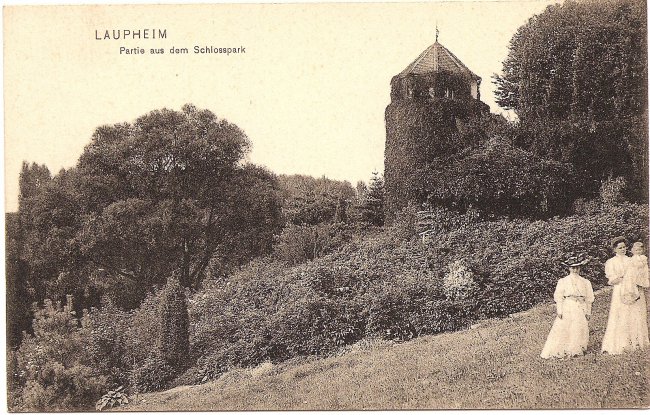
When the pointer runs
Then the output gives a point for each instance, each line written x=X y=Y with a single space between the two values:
x=493 y=365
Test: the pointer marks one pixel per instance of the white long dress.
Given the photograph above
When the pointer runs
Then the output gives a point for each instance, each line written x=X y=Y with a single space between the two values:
x=569 y=335
x=627 y=325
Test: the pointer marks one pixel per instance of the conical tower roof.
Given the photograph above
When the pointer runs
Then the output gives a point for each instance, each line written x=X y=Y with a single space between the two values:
x=437 y=58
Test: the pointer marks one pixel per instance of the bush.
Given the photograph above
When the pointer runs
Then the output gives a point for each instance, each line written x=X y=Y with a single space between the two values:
x=107 y=342
x=159 y=332
x=458 y=282
x=612 y=191
x=54 y=365
x=143 y=331
x=501 y=179
x=153 y=375
x=174 y=339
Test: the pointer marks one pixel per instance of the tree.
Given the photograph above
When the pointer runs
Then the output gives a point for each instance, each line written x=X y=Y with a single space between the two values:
x=49 y=218
x=169 y=191
x=592 y=63
x=576 y=76
x=166 y=193
x=373 y=205
x=18 y=298
x=311 y=201
x=500 y=179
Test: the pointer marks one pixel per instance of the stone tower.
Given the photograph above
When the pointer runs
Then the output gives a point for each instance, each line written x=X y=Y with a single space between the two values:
x=429 y=99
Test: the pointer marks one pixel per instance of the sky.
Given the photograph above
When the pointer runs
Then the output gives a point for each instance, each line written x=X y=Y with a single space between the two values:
x=310 y=90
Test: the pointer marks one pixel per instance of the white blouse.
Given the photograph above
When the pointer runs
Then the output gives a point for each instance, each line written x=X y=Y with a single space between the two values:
x=573 y=288
x=615 y=267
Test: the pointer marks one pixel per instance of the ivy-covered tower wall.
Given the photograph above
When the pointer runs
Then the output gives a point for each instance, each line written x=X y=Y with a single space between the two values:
x=422 y=126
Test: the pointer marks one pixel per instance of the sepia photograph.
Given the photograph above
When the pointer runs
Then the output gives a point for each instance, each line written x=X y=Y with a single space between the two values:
x=337 y=206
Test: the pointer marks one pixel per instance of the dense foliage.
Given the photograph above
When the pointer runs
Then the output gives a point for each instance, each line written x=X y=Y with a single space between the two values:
x=53 y=369
x=322 y=215
x=161 y=217
x=499 y=179
x=390 y=287
x=311 y=201
x=157 y=339
x=577 y=77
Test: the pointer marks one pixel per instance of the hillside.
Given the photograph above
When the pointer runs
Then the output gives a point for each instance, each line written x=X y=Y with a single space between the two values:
x=494 y=364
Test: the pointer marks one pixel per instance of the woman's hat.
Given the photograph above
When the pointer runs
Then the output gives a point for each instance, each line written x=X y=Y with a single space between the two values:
x=576 y=260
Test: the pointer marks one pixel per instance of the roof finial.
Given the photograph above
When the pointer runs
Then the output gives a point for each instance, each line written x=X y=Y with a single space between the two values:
x=437 y=32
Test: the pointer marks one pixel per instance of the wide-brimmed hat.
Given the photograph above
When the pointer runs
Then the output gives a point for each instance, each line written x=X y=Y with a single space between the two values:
x=576 y=260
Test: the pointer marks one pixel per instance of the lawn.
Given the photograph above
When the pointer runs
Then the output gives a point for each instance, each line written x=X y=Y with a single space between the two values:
x=495 y=364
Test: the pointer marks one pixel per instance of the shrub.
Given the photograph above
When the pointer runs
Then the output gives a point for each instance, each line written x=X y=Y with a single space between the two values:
x=54 y=367
x=107 y=342
x=501 y=179
x=173 y=340
x=612 y=191
x=458 y=282
x=159 y=332
x=111 y=399
x=153 y=375
x=143 y=331
x=436 y=219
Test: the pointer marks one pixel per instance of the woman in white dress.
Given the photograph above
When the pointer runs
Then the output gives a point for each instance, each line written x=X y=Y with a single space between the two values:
x=627 y=325
x=573 y=297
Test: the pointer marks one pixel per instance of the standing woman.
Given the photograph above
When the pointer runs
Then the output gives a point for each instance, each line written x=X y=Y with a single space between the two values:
x=627 y=326
x=573 y=296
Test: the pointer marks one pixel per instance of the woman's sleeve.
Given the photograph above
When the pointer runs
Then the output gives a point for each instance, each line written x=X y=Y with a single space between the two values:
x=589 y=297
x=642 y=276
x=609 y=271
x=558 y=296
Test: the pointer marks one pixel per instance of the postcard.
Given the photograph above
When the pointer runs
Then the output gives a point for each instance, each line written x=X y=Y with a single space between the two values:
x=326 y=206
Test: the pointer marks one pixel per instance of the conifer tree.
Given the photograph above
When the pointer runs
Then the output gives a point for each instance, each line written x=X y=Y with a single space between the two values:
x=373 y=205
x=174 y=339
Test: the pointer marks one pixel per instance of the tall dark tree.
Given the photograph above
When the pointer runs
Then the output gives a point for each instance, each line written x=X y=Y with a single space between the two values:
x=576 y=75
